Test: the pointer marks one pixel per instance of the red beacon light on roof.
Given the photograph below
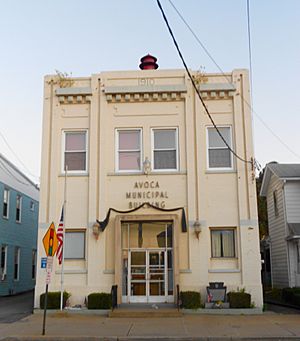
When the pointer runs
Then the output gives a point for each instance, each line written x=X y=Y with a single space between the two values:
x=148 y=62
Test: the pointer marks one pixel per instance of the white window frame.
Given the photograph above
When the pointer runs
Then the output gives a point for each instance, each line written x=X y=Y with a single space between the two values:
x=3 y=271
x=20 y=208
x=234 y=241
x=64 y=133
x=32 y=205
x=220 y=169
x=6 y=190
x=176 y=146
x=117 y=130
x=18 y=259
x=84 y=246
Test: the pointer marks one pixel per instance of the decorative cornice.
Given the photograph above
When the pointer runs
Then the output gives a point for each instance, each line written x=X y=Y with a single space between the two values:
x=213 y=91
x=153 y=93
x=74 y=95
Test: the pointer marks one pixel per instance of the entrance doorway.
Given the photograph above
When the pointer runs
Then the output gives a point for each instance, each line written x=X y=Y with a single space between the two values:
x=147 y=249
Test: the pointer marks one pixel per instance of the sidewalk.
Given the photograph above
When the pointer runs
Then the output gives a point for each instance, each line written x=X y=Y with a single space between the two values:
x=68 y=326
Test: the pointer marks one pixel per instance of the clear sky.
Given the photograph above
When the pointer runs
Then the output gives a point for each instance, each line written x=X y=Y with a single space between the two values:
x=84 y=37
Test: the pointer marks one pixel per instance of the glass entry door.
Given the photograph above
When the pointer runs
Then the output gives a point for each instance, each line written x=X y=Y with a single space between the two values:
x=148 y=276
x=147 y=262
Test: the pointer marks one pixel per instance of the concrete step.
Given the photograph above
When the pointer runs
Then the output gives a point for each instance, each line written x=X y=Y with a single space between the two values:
x=145 y=313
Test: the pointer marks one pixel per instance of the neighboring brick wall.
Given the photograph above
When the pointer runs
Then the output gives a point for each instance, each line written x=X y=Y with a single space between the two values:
x=23 y=235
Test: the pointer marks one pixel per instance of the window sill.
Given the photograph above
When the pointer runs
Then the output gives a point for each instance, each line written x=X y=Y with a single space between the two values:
x=150 y=173
x=224 y=270
x=224 y=258
x=73 y=174
x=72 y=271
x=218 y=171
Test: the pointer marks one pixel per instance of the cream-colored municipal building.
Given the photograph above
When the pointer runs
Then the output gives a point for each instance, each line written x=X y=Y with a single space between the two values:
x=155 y=199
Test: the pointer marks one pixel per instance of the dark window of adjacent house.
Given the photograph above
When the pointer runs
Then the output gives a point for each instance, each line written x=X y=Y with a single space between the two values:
x=33 y=268
x=5 y=203
x=275 y=203
x=3 y=260
x=18 y=208
x=16 y=263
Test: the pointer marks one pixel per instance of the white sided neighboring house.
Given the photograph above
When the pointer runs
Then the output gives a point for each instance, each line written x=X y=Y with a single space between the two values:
x=281 y=187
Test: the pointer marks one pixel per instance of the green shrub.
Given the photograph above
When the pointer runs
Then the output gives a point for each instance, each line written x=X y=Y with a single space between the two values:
x=291 y=295
x=239 y=299
x=53 y=300
x=190 y=299
x=99 y=300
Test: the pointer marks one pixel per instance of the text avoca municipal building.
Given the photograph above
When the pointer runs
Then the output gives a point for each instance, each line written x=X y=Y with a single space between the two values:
x=155 y=200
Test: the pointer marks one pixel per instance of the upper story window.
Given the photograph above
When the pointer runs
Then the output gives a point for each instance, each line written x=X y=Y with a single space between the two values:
x=75 y=151
x=5 y=210
x=222 y=243
x=219 y=155
x=129 y=150
x=165 y=149
x=275 y=203
x=31 y=206
x=18 y=208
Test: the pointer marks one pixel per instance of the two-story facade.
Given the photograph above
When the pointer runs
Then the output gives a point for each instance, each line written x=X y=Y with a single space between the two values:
x=19 y=202
x=134 y=137
x=281 y=187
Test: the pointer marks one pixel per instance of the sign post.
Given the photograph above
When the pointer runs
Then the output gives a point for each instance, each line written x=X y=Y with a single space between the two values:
x=50 y=243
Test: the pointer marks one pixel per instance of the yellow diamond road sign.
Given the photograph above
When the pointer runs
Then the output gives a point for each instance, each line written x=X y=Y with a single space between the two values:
x=50 y=241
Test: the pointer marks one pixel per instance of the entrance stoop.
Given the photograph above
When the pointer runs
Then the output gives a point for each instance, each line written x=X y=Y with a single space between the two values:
x=146 y=311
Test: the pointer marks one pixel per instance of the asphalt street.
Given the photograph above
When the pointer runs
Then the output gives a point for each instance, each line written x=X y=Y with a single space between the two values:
x=14 y=308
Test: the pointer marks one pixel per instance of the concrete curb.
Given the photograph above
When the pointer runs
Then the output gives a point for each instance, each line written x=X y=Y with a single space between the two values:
x=231 y=311
x=146 y=338
x=66 y=312
x=104 y=312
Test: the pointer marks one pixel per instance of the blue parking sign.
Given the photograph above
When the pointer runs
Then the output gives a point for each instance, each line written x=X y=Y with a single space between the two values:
x=43 y=262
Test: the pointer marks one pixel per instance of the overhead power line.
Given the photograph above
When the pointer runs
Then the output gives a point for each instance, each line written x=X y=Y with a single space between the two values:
x=14 y=153
x=226 y=76
x=7 y=171
x=197 y=90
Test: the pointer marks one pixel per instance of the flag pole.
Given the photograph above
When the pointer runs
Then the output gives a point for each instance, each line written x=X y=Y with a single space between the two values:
x=63 y=247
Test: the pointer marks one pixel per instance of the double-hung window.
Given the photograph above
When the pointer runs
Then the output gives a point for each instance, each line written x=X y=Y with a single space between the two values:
x=165 y=149
x=18 y=208
x=16 y=263
x=219 y=155
x=5 y=210
x=3 y=262
x=33 y=264
x=222 y=243
x=75 y=151
x=75 y=244
x=129 y=156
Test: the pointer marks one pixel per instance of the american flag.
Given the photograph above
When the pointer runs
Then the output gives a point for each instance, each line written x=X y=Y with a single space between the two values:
x=60 y=237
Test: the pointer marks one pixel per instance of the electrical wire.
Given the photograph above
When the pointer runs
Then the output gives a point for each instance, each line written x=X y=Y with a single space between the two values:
x=229 y=81
x=196 y=89
x=21 y=162
x=250 y=51
x=3 y=167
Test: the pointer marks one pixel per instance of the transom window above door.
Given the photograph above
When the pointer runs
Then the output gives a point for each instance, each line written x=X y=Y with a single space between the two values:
x=129 y=150
x=165 y=149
